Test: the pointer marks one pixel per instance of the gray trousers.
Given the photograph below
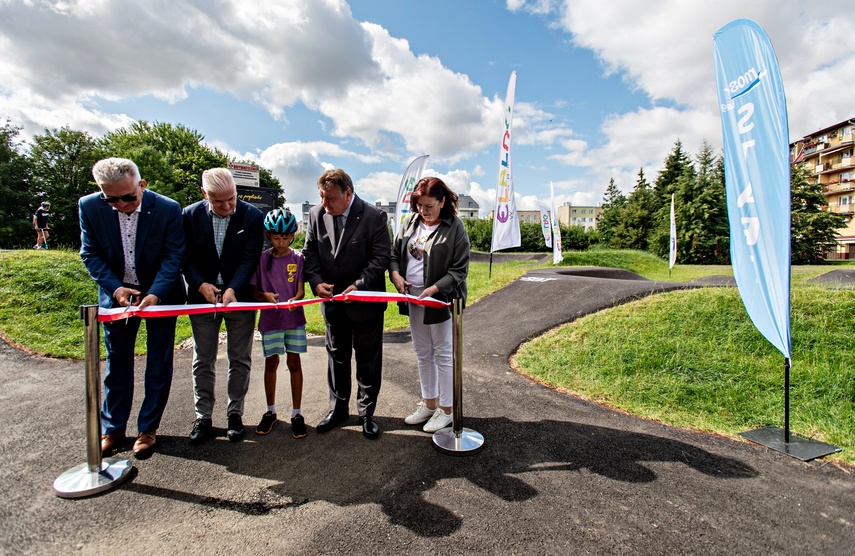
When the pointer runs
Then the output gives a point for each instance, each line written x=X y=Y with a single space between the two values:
x=240 y=328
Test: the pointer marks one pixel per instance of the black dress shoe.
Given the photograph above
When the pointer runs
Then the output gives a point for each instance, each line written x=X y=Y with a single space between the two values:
x=369 y=427
x=202 y=429
x=331 y=421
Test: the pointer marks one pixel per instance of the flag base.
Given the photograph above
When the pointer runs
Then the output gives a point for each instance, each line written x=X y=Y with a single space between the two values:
x=462 y=443
x=798 y=447
x=81 y=480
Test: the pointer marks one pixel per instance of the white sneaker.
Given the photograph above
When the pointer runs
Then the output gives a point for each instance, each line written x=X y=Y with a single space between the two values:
x=420 y=415
x=439 y=421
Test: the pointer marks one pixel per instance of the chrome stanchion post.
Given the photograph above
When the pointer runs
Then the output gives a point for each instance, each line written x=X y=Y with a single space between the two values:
x=97 y=474
x=456 y=439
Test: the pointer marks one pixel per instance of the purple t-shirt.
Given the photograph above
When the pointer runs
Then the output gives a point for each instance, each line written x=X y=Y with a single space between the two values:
x=282 y=278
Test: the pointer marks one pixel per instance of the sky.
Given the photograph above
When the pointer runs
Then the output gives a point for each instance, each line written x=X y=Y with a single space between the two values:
x=604 y=89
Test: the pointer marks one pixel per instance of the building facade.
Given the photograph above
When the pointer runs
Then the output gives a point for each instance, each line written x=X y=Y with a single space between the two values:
x=585 y=216
x=828 y=157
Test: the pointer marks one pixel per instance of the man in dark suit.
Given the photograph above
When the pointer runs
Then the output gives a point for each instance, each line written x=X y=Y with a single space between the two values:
x=347 y=248
x=224 y=239
x=133 y=247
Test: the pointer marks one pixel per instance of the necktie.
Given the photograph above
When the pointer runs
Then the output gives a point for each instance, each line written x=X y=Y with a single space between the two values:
x=338 y=227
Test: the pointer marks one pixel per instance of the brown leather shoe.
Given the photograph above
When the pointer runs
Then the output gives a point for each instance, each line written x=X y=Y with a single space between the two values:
x=145 y=445
x=111 y=443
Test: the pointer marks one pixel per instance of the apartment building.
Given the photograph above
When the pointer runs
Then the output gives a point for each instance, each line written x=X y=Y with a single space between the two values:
x=828 y=156
x=585 y=216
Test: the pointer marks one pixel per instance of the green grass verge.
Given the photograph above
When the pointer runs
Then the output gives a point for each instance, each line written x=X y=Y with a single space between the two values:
x=41 y=292
x=694 y=359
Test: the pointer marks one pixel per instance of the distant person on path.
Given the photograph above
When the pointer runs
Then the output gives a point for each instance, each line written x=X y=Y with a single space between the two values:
x=40 y=223
x=224 y=239
x=279 y=278
x=347 y=249
x=430 y=258
x=133 y=247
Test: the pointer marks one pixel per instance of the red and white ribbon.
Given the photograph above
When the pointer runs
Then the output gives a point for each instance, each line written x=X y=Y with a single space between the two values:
x=119 y=313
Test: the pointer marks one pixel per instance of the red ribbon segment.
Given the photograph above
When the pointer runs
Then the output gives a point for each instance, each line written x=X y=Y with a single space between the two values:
x=119 y=313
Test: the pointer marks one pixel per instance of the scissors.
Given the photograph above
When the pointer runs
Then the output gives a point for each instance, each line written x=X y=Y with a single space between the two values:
x=128 y=308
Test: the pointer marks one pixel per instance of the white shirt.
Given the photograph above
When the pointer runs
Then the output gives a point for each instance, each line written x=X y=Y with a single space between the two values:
x=128 y=230
x=416 y=254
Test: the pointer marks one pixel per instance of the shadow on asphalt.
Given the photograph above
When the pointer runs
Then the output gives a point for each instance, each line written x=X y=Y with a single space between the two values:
x=342 y=468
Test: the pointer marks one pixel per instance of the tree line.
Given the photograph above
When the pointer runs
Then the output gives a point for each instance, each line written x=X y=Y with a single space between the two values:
x=56 y=166
x=641 y=220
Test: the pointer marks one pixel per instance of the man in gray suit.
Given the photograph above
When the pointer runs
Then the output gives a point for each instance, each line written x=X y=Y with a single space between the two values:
x=347 y=248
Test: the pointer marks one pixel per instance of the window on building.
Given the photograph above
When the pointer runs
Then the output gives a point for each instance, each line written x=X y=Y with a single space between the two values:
x=844 y=200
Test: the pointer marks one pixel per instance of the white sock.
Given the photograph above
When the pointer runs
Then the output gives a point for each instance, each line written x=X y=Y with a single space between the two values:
x=271 y=408
x=296 y=411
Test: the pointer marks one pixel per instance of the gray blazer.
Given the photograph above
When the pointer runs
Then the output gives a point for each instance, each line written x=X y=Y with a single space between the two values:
x=446 y=263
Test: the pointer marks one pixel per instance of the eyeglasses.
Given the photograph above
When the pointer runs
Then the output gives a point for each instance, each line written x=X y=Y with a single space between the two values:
x=129 y=198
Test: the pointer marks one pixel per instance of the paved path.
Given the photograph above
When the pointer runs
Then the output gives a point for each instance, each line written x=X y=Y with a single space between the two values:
x=557 y=475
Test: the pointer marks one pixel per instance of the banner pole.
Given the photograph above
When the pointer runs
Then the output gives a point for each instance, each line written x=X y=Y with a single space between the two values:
x=97 y=474
x=457 y=440
x=786 y=400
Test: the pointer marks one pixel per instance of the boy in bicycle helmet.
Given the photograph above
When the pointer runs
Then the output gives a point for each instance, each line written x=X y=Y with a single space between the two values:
x=279 y=279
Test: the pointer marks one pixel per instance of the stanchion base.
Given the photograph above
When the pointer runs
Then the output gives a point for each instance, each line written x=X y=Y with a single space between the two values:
x=468 y=442
x=79 y=481
x=798 y=447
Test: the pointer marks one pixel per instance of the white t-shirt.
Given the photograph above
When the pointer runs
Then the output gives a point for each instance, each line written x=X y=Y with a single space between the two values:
x=416 y=254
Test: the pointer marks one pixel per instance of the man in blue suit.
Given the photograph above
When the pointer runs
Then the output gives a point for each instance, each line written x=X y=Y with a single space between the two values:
x=133 y=247
x=224 y=240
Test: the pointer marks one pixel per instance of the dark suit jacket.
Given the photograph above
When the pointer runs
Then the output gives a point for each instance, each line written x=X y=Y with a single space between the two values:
x=361 y=259
x=159 y=248
x=241 y=250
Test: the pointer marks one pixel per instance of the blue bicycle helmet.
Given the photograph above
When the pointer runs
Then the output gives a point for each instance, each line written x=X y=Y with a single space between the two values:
x=280 y=221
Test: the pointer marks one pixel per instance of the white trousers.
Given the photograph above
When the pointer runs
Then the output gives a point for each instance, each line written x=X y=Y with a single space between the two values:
x=433 y=346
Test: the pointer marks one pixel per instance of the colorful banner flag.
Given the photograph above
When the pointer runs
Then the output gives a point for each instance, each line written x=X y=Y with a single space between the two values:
x=546 y=225
x=557 y=257
x=408 y=182
x=506 y=224
x=672 y=256
x=757 y=174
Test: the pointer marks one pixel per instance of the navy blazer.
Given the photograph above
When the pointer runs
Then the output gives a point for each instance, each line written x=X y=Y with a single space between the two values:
x=159 y=247
x=361 y=259
x=241 y=250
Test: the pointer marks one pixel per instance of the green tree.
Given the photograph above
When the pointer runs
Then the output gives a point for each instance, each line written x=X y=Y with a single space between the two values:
x=17 y=203
x=703 y=233
x=635 y=218
x=62 y=172
x=171 y=158
x=577 y=238
x=677 y=164
x=813 y=230
x=480 y=232
x=613 y=201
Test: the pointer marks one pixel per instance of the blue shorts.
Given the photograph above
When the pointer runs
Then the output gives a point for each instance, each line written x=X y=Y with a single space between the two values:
x=278 y=342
